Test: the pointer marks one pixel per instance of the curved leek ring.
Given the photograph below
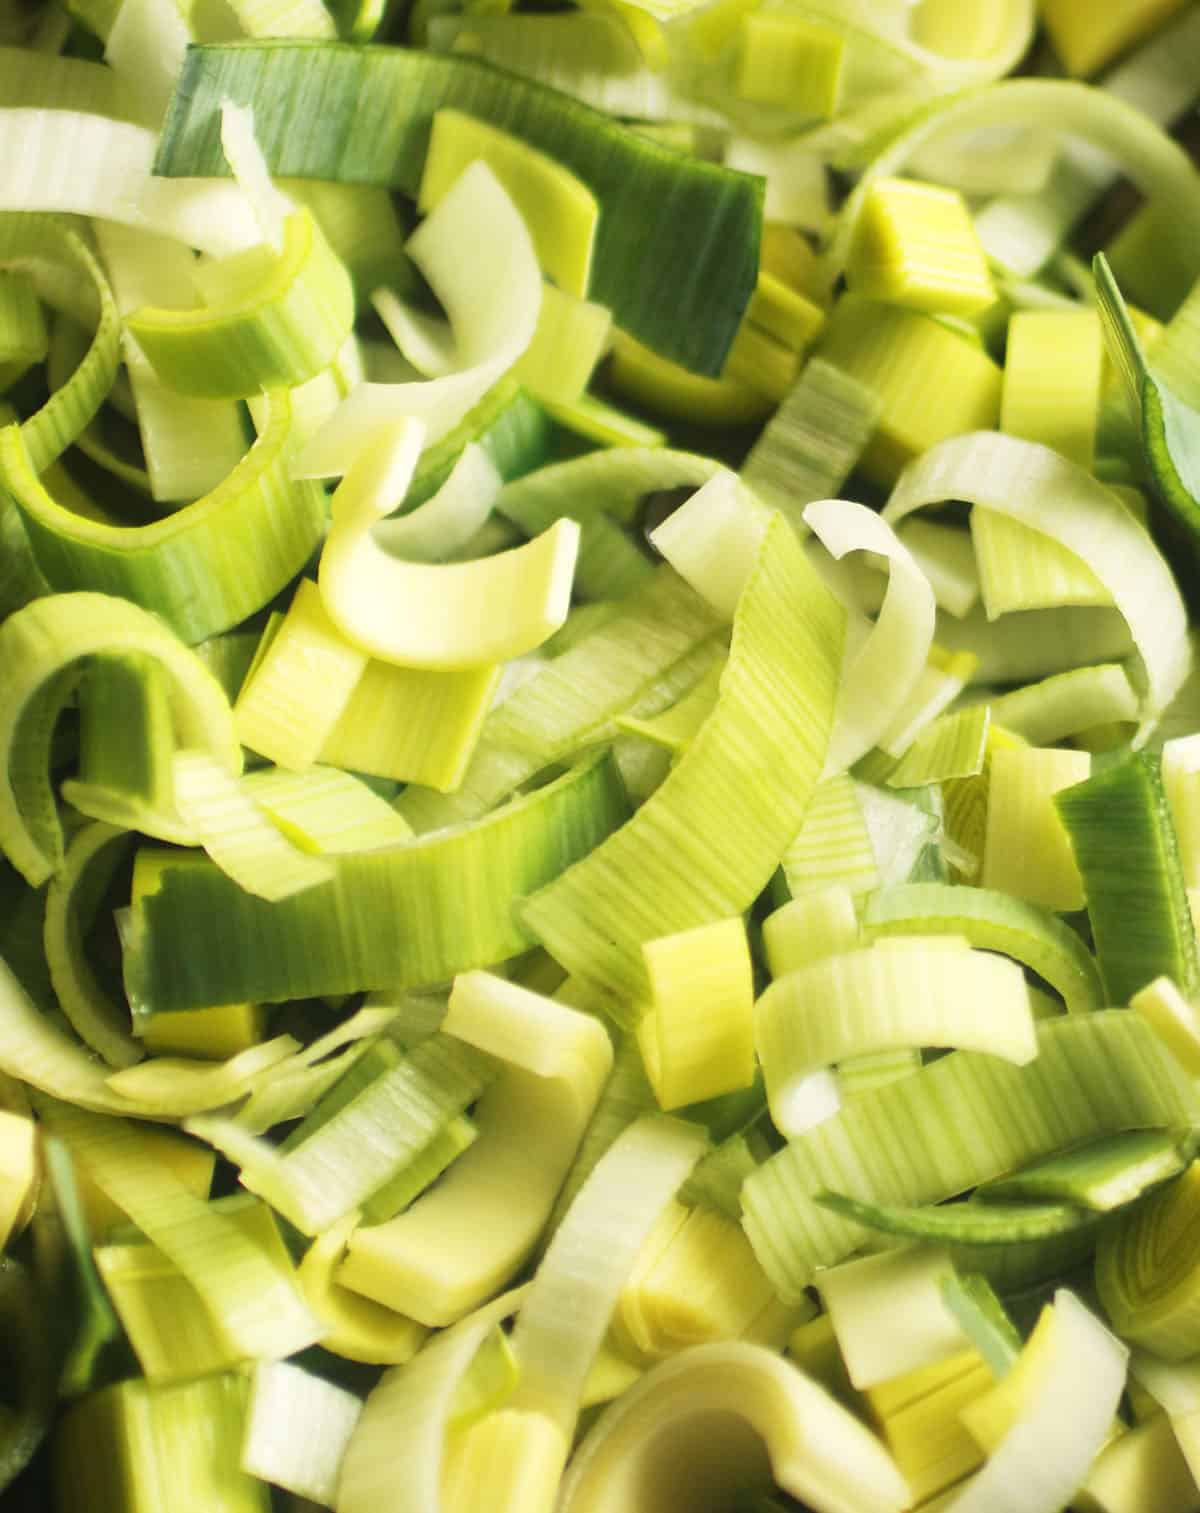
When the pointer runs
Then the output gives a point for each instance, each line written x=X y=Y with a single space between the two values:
x=73 y=897
x=203 y=568
x=449 y=615
x=355 y=1327
x=696 y=1422
x=43 y=641
x=477 y=256
x=1146 y=1270
x=461 y=1241
x=611 y=482
x=1036 y=486
x=883 y=672
x=285 y=329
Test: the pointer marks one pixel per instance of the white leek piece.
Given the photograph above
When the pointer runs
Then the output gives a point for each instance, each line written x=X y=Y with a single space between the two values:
x=447 y=616
x=695 y=1428
x=437 y=529
x=479 y=260
x=881 y=675
x=713 y=539
x=1030 y=483
x=297 y=1428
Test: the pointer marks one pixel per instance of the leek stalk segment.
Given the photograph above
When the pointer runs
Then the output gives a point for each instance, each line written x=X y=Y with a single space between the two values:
x=41 y=644
x=354 y=1326
x=706 y=841
x=1029 y=483
x=297 y=1428
x=447 y=616
x=1146 y=1275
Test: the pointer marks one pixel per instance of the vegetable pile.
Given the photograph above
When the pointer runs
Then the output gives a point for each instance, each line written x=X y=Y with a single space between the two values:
x=599 y=756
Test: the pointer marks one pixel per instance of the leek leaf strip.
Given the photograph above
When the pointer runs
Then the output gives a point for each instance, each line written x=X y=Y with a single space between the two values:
x=993 y=922
x=41 y=644
x=447 y=898
x=957 y=1122
x=962 y=1223
x=705 y=843
x=658 y=212
x=204 y=568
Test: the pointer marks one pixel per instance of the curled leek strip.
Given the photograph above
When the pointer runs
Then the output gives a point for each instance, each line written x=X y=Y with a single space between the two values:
x=680 y=1433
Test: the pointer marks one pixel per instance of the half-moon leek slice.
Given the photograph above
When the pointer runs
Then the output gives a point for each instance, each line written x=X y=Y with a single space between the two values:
x=44 y=641
x=1032 y=484
x=443 y=615
x=697 y=1426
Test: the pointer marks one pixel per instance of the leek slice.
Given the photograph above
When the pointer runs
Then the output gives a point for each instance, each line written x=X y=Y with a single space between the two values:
x=297 y=1428
x=883 y=672
x=1173 y=1019
x=705 y=843
x=1144 y=1467
x=957 y=1122
x=447 y=616
x=72 y=902
x=1132 y=877
x=354 y=1326
x=892 y=995
x=200 y=940
x=712 y=225
x=1102 y=1175
x=280 y=335
x=1027 y=851
x=38 y=645
x=833 y=846
x=1067 y=703
x=964 y=1224
x=697 y=1425
x=951 y=747
x=992 y=922
x=204 y=568
x=1030 y=483
x=1145 y=1272
x=441 y=526
x=326 y=811
x=713 y=540
x=249 y=1291
x=461 y=1242
x=177 y=1086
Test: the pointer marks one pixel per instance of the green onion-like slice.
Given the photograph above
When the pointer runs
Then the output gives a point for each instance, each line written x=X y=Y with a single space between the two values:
x=204 y=568
x=707 y=840
x=405 y=915
x=42 y=643
x=1034 y=485
x=957 y=1122
x=1124 y=842
x=658 y=212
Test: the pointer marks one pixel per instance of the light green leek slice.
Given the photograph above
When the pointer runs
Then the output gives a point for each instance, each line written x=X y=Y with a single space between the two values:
x=705 y=843
x=957 y=1122
x=1067 y=703
x=324 y=810
x=1124 y=843
x=698 y=1425
x=952 y=746
x=1027 y=851
x=406 y=1418
x=250 y=1292
x=560 y=211
x=570 y=338
x=992 y=922
x=713 y=227
x=423 y=1171
x=1102 y=1175
x=72 y=903
x=440 y=527
x=1034 y=485
x=713 y=540
x=176 y=1086
x=145 y=48
x=448 y=897
x=42 y=643
x=355 y=1327
x=833 y=846
x=462 y=1241
x=236 y=833
x=611 y=482
x=279 y=320
x=892 y=995
x=1145 y=1462
x=297 y=1428
x=204 y=568
x=1145 y=1271
x=809 y=928
x=675 y=727
x=363 y=1145
x=881 y=674
x=1020 y=569
x=32 y=78
x=476 y=255
x=809 y=446
x=445 y=616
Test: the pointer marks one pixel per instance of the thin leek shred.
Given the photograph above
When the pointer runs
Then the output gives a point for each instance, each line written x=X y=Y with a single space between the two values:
x=363 y=1145
x=706 y=842
x=611 y=482
x=1029 y=483
x=1132 y=877
x=204 y=568
x=72 y=903
x=893 y=995
x=250 y=1291
x=959 y=1121
x=447 y=520
x=41 y=644
x=963 y=1224
x=445 y=616
x=724 y=1405
x=992 y=922
x=461 y=1242
x=200 y=940
x=715 y=214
